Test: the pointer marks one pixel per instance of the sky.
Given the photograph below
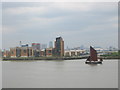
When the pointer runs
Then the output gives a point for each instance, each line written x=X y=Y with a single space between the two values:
x=0 y=25
x=78 y=23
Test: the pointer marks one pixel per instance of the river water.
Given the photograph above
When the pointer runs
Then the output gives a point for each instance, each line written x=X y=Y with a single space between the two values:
x=59 y=74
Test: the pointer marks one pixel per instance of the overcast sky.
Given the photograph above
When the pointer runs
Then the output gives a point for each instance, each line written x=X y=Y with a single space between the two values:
x=89 y=23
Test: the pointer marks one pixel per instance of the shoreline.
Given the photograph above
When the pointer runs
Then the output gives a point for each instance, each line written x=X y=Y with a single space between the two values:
x=42 y=58
x=51 y=58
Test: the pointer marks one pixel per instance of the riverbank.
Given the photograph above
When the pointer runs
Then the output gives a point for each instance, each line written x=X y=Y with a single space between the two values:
x=53 y=58
x=43 y=58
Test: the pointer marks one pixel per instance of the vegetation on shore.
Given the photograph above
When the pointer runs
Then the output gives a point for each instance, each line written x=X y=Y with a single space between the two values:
x=114 y=55
x=42 y=58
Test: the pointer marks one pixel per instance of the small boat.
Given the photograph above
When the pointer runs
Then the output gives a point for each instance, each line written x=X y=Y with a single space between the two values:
x=93 y=59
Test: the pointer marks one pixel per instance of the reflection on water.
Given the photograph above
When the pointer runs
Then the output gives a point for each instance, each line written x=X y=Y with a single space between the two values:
x=60 y=74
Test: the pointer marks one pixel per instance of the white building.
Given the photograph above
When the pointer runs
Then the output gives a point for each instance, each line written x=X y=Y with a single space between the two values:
x=74 y=52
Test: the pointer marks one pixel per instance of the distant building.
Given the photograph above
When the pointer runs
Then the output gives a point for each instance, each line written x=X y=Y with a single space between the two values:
x=42 y=53
x=82 y=47
x=67 y=48
x=26 y=52
x=74 y=52
x=15 y=52
x=44 y=46
x=48 y=52
x=21 y=52
x=12 y=52
x=24 y=45
x=50 y=44
x=1 y=53
x=59 y=47
x=36 y=49
x=36 y=46
x=6 y=53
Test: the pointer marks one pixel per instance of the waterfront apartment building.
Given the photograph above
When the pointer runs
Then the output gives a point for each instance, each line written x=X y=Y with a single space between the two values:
x=6 y=53
x=48 y=52
x=59 y=47
x=26 y=52
x=12 y=52
x=21 y=52
x=36 y=49
x=15 y=52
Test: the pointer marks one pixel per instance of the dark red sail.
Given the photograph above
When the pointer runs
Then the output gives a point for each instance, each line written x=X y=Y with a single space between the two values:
x=93 y=54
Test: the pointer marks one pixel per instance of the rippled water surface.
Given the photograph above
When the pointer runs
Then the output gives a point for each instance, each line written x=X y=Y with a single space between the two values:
x=59 y=74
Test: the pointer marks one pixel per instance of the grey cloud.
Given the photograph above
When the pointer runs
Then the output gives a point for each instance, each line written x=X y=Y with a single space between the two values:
x=77 y=26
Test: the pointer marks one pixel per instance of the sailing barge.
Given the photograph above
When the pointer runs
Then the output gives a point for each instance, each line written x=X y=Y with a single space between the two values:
x=93 y=59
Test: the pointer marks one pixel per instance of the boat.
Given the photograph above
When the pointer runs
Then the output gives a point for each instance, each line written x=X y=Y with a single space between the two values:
x=93 y=59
